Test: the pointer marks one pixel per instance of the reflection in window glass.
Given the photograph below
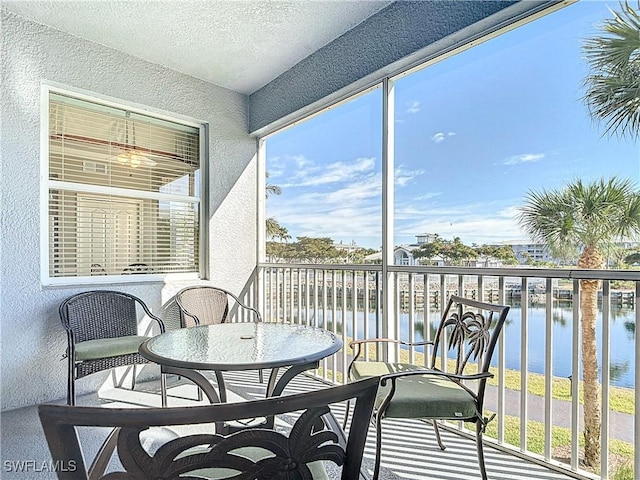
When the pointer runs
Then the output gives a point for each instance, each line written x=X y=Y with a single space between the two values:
x=123 y=193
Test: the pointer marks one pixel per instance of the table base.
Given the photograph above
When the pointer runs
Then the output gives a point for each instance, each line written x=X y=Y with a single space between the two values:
x=275 y=386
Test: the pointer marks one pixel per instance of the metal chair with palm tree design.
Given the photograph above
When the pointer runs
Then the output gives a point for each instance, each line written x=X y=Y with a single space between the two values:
x=153 y=443
x=452 y=390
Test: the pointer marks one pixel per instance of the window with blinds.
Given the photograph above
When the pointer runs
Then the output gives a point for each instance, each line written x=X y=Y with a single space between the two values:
x=124 y=192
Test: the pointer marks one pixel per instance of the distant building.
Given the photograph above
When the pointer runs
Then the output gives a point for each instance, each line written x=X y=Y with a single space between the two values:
x=347 y=247
x=484 y=262
x=403 y=254
x=425 y=238
x=528 y=252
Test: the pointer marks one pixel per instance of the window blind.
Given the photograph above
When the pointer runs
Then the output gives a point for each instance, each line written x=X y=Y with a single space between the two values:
x=124 y=194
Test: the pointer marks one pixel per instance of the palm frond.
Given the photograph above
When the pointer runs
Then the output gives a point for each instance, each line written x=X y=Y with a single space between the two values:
x=613 y=86
x=582 y=214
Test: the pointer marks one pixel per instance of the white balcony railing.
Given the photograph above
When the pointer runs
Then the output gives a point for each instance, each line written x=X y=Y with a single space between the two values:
x=542 y=333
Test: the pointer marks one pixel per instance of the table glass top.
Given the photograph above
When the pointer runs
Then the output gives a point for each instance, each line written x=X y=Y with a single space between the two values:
x=236 y=346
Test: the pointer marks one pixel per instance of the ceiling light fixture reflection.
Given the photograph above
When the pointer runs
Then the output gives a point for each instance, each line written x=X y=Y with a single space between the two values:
x=129 y=155
x=134 y=159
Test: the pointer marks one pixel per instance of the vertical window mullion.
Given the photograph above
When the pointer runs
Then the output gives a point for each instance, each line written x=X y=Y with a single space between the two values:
x=388 y=106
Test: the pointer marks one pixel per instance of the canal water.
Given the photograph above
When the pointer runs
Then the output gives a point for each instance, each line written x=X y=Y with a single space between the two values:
x=622 y=342
x=622 y=338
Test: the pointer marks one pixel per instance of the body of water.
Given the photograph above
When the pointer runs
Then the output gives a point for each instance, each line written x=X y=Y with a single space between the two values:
x=622 y=338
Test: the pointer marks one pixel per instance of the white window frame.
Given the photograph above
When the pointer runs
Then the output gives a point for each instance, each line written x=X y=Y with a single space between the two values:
x=46 y=184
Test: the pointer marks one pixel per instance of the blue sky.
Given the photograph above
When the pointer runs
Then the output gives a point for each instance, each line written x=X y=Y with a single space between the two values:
x=474 y=133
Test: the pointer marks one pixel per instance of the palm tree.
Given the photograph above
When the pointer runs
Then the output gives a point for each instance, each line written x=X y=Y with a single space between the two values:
x=270 y=188
x=273 y=228
x=586 y=217
x=613 y=86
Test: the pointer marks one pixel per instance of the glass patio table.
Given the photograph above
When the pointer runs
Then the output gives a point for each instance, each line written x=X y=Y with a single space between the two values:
x=239 y=346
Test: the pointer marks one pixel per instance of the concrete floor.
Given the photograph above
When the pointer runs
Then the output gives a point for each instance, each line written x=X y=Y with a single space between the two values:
x=409 y=447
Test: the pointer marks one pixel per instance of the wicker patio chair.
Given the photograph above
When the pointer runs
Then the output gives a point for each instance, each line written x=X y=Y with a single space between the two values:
x=102 y=333
x=467 y=336
x=208 y=305
x=153 y=443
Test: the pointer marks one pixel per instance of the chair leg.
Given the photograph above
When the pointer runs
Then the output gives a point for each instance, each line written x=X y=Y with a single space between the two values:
x=222 y=389
x=71 y=390
x=163 y=389
x=133 y=378
x=436 y=429
x=480 y=448
x=71 y=386
x=376 y=469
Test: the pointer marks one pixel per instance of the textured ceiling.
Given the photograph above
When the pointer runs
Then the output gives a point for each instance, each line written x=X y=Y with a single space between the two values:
x=238 y=44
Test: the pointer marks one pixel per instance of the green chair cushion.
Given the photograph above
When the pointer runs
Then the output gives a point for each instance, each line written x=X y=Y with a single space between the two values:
x=419 y=396
x=108 y=347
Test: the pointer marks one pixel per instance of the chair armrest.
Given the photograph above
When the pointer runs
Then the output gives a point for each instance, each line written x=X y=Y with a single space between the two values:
x=152 y=316
x=255 y=312
x=388 y=340
x=439 y=373
x=356 y=345
x=372 y=340
x=242 y=305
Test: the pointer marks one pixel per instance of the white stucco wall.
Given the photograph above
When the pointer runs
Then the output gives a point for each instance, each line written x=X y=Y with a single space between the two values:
x=32 y=337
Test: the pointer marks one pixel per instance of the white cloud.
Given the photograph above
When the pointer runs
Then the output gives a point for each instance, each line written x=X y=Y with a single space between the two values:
x=479 y=223
x=274 y=172
x=524 y=158
x=438 y=137
x=301 y=161
x=311 y=175
x=427 y=196
x=354 y=212
x=403 y=176
x=441 y=136
x=347 y=213
x=278 y=165
x=357 y=191
x=344 y=203
x=414 y=107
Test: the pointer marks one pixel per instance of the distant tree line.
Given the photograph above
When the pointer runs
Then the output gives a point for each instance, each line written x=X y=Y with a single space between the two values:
x=454 y=252
x=323 y=250
x=314 y=250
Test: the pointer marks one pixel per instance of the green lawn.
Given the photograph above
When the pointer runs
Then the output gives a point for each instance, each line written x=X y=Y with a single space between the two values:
x=621 y=399
x=622 y=452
